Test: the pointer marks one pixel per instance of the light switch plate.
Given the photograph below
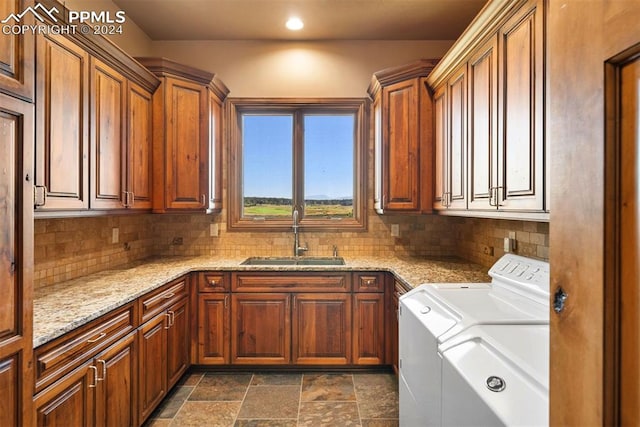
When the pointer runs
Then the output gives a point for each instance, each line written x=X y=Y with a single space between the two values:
x=395 y=230
x=115 y=235
x=213 y=230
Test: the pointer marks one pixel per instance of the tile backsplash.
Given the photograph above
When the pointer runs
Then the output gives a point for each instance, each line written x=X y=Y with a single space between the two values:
x=74 y=247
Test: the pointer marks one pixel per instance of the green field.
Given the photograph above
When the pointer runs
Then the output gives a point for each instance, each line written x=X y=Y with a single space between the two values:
x=270 y=210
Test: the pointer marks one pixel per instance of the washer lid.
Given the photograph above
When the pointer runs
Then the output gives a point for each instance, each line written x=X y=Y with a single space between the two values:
x=429 y=311
x=478 y=305
x=507 y=367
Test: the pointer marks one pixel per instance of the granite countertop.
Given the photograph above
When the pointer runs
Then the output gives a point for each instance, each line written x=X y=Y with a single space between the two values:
x=60 y=308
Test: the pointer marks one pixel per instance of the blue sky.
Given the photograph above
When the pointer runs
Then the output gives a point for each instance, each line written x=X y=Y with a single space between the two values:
x=267 y=155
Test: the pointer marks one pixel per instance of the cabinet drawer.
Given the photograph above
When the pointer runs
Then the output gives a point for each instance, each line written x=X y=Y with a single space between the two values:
x=213 y=282
x=158 y=300
x=55 y=359
x=287 y=282
x=368 y=282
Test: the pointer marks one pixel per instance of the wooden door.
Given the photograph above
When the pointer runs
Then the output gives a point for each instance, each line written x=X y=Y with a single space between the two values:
x=456 y=142
x=629 y=244
x=321 y=328
x=16 y=261
x=483 y=126
x=178 y=341
x=186 y=145
x=139 y=147
x=213 y=328
x=108 y=137
x=16 y=52
x=401 y=146
x=368 y=329
x=69 y=401
x=152 y=368
x=260 y=328
x=116 y=394
x=440 y=135
x=521 y=149
x=62 y=137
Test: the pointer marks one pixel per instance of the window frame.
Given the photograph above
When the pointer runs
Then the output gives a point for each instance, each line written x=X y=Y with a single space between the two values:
x=236 y=107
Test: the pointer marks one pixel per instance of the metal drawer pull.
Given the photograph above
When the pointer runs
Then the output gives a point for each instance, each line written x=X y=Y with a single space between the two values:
x=98 y=338
x=212 y=282
x=169 y=295
x=95 y=377
x=168 y=317
x=104 y=369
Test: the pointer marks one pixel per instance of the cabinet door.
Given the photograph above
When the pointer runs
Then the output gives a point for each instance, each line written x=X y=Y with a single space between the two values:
x=521 y=151
x=401 y=146
x=178 y=341
x=108 y=149
x=440 y=132
x=16 y=52
x=62 y=137
x=213 y=328
x=215 y=153
x=70 y=401
x=116 y=394
x=186 y=145
x=260 y=328
x=457 y=139
x=321 y=329
x=368 y=328
x=152 y=372
x=483 y=126
x=139 y=143
x=16 y=261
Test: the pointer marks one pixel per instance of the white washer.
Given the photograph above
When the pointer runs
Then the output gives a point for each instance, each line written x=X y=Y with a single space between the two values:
x=496 y=375
x=431 y=314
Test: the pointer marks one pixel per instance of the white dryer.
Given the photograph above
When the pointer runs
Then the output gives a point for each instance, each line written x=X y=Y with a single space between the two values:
x=431 y=314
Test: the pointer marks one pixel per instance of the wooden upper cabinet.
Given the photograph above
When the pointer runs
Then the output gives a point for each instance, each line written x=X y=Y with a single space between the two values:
x=450 y=137
x=488 y=112
x=403 y=138
x=187 y=138
x=17 y=53
x=62 y=136
x=16 y=260
x=483 y=127
x=521 y=106
x=108 y=137
x=457 y=140
x=139 y=147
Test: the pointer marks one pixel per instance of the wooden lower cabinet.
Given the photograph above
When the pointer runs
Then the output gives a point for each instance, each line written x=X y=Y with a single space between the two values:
x=260 y=328
x=70 y=401
x=368 y=328
x=164 y=354
x=321 y=328
x=100 y=392
x=213 y=328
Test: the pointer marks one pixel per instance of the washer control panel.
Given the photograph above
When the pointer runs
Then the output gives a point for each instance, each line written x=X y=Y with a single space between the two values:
x=517 y=270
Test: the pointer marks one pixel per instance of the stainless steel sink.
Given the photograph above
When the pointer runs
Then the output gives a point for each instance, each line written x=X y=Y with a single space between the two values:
x=292 y=261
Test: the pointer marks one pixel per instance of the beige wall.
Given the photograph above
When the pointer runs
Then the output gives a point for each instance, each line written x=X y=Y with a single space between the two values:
x=296 y=69
x=132 y=40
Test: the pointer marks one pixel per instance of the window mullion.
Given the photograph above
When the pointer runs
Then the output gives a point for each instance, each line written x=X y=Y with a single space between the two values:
x=298 y=162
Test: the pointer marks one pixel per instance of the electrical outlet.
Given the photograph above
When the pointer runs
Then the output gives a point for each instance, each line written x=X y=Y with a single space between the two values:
x=395 y=230
x=213 y=230
x=487 y=250
x=115 y=235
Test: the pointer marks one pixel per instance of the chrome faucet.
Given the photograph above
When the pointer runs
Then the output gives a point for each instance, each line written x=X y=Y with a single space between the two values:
x=297 y=249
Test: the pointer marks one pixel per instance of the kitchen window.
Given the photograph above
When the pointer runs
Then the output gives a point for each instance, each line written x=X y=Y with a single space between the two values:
x=304 y=155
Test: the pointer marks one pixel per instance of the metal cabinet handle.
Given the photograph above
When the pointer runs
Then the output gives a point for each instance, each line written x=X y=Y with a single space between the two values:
x=95 y=376
x=168 y=317
x=44 y=196
x=133 y=199
x=212 y=282
x=204 y=200
x=104 y=369
x=98 y=338
x=226 y=301
x=169 y=295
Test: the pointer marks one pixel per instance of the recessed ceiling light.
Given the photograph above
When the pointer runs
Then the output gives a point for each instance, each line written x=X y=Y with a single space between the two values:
x=294 y=24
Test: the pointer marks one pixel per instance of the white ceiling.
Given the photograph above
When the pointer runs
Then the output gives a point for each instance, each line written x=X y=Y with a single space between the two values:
x=324 y=19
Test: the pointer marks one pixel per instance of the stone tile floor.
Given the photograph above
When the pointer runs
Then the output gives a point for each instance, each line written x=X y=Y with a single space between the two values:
x=280 y=400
